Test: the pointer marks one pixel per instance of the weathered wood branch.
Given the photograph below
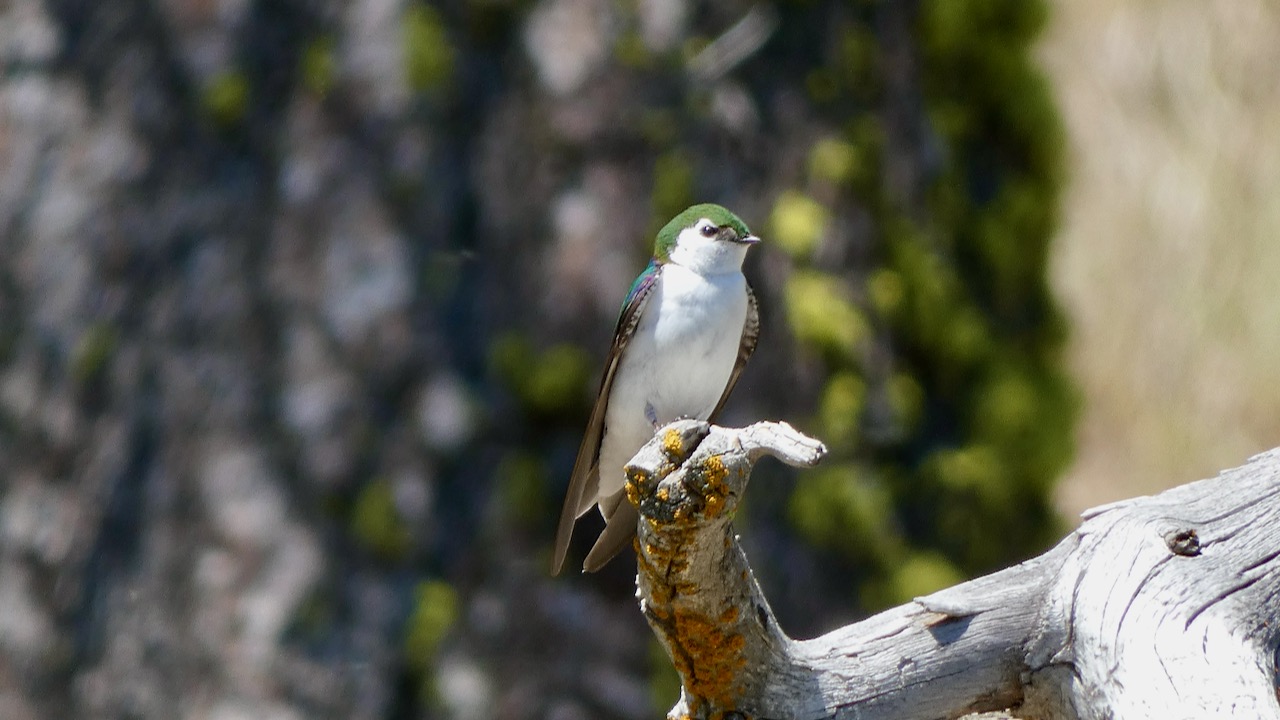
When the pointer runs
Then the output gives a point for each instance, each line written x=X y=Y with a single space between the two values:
x=1156 y=607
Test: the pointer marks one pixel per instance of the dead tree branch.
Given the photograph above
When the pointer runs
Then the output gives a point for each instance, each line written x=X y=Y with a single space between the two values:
x=1164 y=606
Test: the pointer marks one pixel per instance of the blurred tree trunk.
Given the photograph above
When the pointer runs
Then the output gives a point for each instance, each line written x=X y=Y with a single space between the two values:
x=293 y=296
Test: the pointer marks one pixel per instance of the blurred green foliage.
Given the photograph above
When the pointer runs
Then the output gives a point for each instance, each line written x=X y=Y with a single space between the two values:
x=92 y=355
x=226 y=98
x=919 y=573
x=548 y=383
x=428 y=53
x=319 y=66
x=522 y=490
x=631 y=51
x=840 y=410
x=944 y=453
x=822 y=316
x=672 y=186
x=832 y=160
x=797 y=221
x=376 y=523
x=435 y=611
x=847 y=508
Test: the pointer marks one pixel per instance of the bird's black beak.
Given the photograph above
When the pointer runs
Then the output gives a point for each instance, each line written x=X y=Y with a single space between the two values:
x=728 y=234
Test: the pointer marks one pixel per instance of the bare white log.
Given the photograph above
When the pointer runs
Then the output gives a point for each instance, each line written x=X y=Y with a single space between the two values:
x=1157 y=607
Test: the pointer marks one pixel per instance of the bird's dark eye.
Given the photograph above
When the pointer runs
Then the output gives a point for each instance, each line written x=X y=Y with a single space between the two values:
x=707 y=229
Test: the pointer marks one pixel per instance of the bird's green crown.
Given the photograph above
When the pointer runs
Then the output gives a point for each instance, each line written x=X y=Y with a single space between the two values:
x=721 y=217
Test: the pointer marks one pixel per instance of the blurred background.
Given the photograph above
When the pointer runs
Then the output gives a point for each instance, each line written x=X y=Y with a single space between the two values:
x=303 y=304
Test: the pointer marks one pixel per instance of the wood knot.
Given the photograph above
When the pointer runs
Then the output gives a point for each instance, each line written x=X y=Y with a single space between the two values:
x=1183 y=542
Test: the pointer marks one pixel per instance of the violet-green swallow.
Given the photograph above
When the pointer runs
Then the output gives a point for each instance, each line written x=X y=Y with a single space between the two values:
x=687 y=328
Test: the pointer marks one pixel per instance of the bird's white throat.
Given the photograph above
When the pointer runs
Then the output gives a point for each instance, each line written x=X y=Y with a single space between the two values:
x=707 y=256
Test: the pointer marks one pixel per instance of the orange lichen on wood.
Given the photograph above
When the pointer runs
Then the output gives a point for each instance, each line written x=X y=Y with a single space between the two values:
x=659 y=551
x=706 y=645
x=710 y=658
x=685 y=588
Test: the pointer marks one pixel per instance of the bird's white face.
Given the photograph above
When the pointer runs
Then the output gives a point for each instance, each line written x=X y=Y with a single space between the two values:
x=710 y=250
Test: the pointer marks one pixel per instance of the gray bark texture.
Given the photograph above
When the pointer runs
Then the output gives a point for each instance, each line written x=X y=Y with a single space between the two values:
x=1156 y=607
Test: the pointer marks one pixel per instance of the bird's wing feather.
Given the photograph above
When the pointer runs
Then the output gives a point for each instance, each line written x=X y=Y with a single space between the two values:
x=617 y=534
x=750 y=333
x=585 y=479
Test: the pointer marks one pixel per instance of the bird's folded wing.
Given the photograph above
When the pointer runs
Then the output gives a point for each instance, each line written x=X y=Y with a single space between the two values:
x=585 y=480
x=747 y=346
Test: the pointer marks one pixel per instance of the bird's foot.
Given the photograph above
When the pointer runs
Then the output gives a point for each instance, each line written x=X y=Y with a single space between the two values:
x=652 y=416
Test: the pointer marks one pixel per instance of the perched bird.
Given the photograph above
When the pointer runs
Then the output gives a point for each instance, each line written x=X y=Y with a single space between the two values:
x=687 y=328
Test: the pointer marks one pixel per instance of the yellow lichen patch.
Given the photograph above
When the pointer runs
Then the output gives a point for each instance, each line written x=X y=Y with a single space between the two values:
x=715 y=503
x=652 y=556
x=715 y=469
x=729 y=615
x=714 y=473
x=636 y=479
x=671 y=443
x=663 y=494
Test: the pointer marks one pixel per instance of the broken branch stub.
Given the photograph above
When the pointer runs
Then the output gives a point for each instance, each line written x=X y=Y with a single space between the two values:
x=695 y=587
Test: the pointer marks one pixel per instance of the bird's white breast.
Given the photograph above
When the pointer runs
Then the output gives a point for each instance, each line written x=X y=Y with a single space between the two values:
x=677 y=362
